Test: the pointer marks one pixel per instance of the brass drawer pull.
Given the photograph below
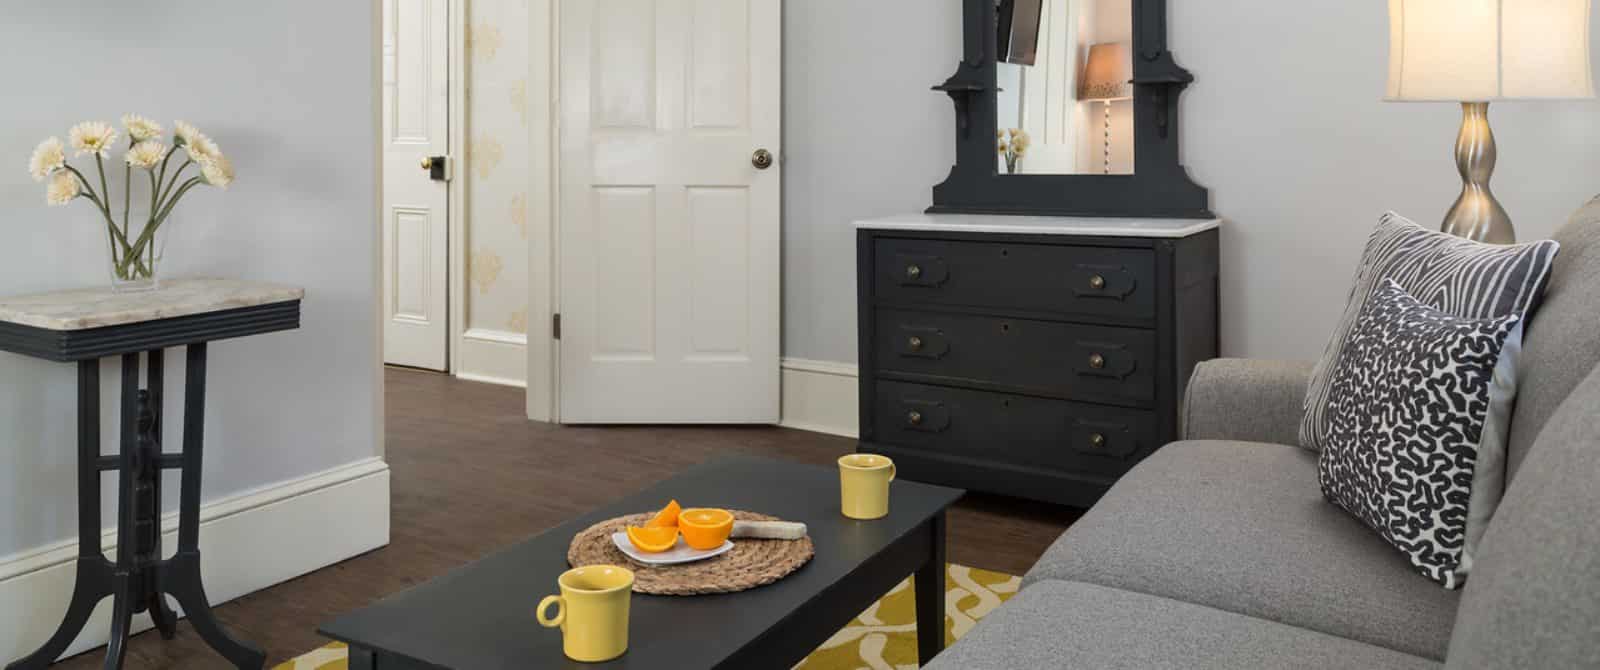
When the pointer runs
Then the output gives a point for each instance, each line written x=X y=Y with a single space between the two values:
x=1097 y=361
x=913 y=271
x=1097 y=440
x=1097 y=282
x=914 y=418
x=915 y=343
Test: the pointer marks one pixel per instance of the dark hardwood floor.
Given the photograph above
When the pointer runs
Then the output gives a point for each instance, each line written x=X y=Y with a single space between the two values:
x=470 y=474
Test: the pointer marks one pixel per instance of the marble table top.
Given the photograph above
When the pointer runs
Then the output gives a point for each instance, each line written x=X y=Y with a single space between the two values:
x=1044 y=225
x=82 y=309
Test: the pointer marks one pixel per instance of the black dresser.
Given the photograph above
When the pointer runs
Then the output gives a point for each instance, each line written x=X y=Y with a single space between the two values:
x=1031 y=357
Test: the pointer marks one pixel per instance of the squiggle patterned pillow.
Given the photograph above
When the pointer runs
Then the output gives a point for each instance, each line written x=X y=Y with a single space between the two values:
x=1407 y=409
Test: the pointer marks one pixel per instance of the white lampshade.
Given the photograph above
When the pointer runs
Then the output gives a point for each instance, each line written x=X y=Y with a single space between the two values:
x=1488 y=50
x=1108 y=74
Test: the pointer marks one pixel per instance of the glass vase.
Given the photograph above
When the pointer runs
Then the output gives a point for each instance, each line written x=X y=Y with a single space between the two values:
x=134 y=259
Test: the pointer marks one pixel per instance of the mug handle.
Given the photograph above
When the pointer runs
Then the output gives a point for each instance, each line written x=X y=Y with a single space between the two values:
x=892 y=471
x=561 y=611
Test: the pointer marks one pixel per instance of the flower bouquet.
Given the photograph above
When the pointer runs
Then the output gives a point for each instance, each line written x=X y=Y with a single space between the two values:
x=134 y=250
x=1013 y=145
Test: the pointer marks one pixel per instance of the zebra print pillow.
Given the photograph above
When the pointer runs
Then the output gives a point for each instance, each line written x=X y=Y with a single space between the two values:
x=1455 y=275
x=1410 y=405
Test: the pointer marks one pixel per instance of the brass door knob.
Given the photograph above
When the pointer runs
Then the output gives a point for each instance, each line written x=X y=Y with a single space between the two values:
x=427 y=162
x=1097 y=361
x=762 y=159
x=914 y=418
x=1097 y=282
x=913 y=271
x=1097 y=440
x=915 y=343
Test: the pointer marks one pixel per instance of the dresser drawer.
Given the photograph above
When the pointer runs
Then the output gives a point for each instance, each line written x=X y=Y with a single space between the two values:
x=1017 y=430
x=1070 y=280
x=1097 y=364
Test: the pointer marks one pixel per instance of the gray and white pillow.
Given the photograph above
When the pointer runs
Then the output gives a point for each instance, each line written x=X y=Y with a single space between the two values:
x=1411 y=401
x=1455 y=275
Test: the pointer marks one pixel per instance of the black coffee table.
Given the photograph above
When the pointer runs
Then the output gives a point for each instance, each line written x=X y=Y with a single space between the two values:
x=480 y=617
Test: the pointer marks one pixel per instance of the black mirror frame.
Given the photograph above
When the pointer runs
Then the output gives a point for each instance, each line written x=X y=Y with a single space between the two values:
x=1159 y=186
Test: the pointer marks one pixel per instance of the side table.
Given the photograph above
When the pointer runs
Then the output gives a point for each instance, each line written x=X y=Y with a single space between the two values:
x=85 y=326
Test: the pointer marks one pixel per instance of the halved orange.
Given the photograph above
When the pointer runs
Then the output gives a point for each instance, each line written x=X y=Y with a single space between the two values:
x=667 y=517
x=652 y=540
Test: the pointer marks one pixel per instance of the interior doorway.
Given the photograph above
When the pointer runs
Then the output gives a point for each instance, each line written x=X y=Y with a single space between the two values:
x=420 y=208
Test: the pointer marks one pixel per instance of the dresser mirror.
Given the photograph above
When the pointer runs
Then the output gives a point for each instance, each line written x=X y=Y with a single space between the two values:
x=1068 y=108
x=1064 y=87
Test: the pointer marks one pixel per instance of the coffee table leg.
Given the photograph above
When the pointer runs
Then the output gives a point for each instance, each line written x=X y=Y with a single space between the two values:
x=929 y=584
x=361 y=658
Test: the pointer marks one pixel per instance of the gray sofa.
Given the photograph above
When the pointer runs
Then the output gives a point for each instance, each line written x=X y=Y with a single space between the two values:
x=1219 y=551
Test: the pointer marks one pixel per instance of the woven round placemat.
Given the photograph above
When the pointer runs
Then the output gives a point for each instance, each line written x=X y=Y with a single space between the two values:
x=749 y=564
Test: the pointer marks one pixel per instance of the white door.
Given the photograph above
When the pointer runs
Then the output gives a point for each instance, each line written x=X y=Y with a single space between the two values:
x=416 y=209
x=668 y=230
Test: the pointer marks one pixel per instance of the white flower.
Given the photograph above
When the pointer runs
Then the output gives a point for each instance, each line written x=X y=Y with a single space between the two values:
x=146 y=154
x=201 y=148
x=186 y=132
x=62 y=189
x=48 y=157
x=217 y=170
x=140 y=128
x=93 y=137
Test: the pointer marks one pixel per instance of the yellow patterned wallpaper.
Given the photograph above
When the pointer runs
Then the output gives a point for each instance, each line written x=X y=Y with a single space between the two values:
x=497 y=166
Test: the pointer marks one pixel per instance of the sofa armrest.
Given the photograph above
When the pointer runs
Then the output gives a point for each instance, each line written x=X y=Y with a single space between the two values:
x=1247 y=400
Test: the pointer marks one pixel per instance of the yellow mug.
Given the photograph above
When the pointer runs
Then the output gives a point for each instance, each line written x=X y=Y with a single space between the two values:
x=864 y=485
x=592 y=612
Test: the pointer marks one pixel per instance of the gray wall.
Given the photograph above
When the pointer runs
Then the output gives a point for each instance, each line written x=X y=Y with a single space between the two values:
x=1285 y=125
x=286 y=88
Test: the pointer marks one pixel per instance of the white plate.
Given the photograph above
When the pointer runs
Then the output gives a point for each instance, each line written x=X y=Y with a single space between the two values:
x=679 y=553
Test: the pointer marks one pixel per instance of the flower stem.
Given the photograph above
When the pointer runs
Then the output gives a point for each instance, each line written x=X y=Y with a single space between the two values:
x=127 y=196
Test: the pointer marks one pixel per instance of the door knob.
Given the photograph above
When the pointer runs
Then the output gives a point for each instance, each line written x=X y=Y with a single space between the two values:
x=427 y=162
x=762 y=159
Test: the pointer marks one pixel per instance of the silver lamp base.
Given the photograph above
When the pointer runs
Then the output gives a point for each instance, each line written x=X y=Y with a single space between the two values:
x=1476 y=214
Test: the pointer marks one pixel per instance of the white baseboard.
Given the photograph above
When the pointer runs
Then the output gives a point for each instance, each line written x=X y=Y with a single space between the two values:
x=494 y=357
x=820 y=396
x=247 y=542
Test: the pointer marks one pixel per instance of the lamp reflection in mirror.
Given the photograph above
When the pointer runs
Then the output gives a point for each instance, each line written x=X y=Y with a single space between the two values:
x=1479 y=51
x=1107 y=77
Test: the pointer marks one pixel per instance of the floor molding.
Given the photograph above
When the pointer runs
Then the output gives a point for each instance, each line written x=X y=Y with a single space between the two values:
x=494 y=357
x=820 y=396
x=248 y=542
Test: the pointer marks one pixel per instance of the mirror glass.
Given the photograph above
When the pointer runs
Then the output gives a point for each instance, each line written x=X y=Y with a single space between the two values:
x=1065 y=101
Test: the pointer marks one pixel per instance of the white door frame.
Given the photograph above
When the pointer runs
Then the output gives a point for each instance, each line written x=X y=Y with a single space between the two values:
x=543 y=243
x=457 y=186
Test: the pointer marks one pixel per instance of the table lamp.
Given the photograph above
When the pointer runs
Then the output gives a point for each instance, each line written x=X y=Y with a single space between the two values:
x=1479 y=51
x=1107 y=77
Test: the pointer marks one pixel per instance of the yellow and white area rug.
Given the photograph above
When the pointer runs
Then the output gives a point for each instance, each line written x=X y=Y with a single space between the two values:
x=883 y=638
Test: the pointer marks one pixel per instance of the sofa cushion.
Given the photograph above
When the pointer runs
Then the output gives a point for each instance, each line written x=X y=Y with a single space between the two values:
x=1243 y=527
x=1459 y=276
x=1534 y=598
x=1559 y=344
x=1056 y=624
x=1417 y=412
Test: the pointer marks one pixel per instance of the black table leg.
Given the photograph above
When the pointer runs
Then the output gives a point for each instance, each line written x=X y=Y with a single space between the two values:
x=151 y=598
x=929 y=584
x=361 y=658
x=180 y=576
x=94 y=578
x=139 y=580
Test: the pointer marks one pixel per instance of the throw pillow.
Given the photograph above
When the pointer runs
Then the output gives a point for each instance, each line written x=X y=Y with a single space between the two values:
x=1409 y=409
x=1455 y=275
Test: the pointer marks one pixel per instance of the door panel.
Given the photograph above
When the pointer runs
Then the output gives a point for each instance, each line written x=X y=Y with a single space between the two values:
x=669 y=234
x=416 y=217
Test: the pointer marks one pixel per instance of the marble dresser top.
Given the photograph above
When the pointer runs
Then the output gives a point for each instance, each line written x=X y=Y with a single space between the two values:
x=83 y=309
x=1043 y=225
